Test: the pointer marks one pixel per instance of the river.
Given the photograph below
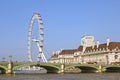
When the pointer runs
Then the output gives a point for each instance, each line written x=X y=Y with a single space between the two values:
x=80 y=76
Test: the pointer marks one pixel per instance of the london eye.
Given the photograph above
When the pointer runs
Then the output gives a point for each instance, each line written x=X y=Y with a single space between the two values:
x=38 y=41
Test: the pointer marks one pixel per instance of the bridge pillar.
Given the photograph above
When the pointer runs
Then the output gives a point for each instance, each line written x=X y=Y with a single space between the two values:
x=100 y=69
x=62 y=68
x=10 y=68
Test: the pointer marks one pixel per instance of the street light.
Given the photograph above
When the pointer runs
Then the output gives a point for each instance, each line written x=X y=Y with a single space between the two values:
x=63 y=61
x=10 y=57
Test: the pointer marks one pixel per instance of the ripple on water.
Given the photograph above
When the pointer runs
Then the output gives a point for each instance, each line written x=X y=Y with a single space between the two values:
x=81 y=76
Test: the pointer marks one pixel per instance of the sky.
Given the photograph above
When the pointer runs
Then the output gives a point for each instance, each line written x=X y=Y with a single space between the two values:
x=65 y=22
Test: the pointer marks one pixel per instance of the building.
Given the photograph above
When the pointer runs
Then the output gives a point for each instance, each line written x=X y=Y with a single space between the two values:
x=63 y=56
x=54 y=58
x=102 y=53
x=90 y=53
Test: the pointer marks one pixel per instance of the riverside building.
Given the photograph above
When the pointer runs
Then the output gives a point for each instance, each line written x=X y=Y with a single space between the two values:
x=89 y=53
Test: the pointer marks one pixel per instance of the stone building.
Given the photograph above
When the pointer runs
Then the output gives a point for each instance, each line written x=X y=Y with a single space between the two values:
x=102 y=53
x=90 y=53
x=63 y=56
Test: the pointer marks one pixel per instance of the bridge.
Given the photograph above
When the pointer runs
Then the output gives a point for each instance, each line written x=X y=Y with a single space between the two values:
x=9 y=67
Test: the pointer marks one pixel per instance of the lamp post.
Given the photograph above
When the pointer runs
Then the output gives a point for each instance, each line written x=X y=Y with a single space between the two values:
x=10 y=57
x=63 y=64
x=10 y=66
x=64 y=59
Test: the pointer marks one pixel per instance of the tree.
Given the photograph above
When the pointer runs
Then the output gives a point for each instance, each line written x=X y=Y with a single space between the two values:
x=3 y=59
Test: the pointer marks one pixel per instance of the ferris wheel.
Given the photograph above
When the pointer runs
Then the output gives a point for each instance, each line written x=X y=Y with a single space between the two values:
x=39 y=41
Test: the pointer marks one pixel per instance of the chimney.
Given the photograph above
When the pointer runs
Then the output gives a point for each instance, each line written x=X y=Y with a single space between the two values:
x=108 y=41
x=98 y=43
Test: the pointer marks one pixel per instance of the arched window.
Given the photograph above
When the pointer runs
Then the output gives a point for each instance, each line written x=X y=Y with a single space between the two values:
x=96 y=50
x=103 y=50
x=117 y=48
x=116 y=56
x=100 y=49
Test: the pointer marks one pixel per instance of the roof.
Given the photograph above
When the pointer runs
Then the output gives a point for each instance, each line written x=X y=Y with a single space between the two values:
x=70 y=51
x=54 y=56
x=112 y=45
x=80 y=48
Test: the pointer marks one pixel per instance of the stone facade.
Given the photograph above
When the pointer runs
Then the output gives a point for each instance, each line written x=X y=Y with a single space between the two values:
x=102 y=54
x=88 y=52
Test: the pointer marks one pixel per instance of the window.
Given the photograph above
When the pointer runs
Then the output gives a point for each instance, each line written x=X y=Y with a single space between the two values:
x=116 y=56
x=87 y=51
x=103 y=49
x=117 y=48
x=97 y=50
x=100 y=49
x=91 y=51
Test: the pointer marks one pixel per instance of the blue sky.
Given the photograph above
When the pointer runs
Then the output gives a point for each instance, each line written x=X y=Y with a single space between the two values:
x=65 y=22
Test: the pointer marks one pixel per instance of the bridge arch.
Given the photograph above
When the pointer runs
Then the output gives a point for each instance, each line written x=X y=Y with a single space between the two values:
x=84 y=68
x=49 y=67
x=112 y=68
x=3 y=69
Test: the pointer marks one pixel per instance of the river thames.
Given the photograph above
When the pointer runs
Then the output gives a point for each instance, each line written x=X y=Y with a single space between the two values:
x=80 y=76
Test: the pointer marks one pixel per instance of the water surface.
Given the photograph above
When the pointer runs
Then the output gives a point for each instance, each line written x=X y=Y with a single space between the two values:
x=80 y=76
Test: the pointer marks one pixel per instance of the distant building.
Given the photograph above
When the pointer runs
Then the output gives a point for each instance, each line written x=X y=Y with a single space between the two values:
x=64 y=56
x=90 y=53
x=54 y=58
